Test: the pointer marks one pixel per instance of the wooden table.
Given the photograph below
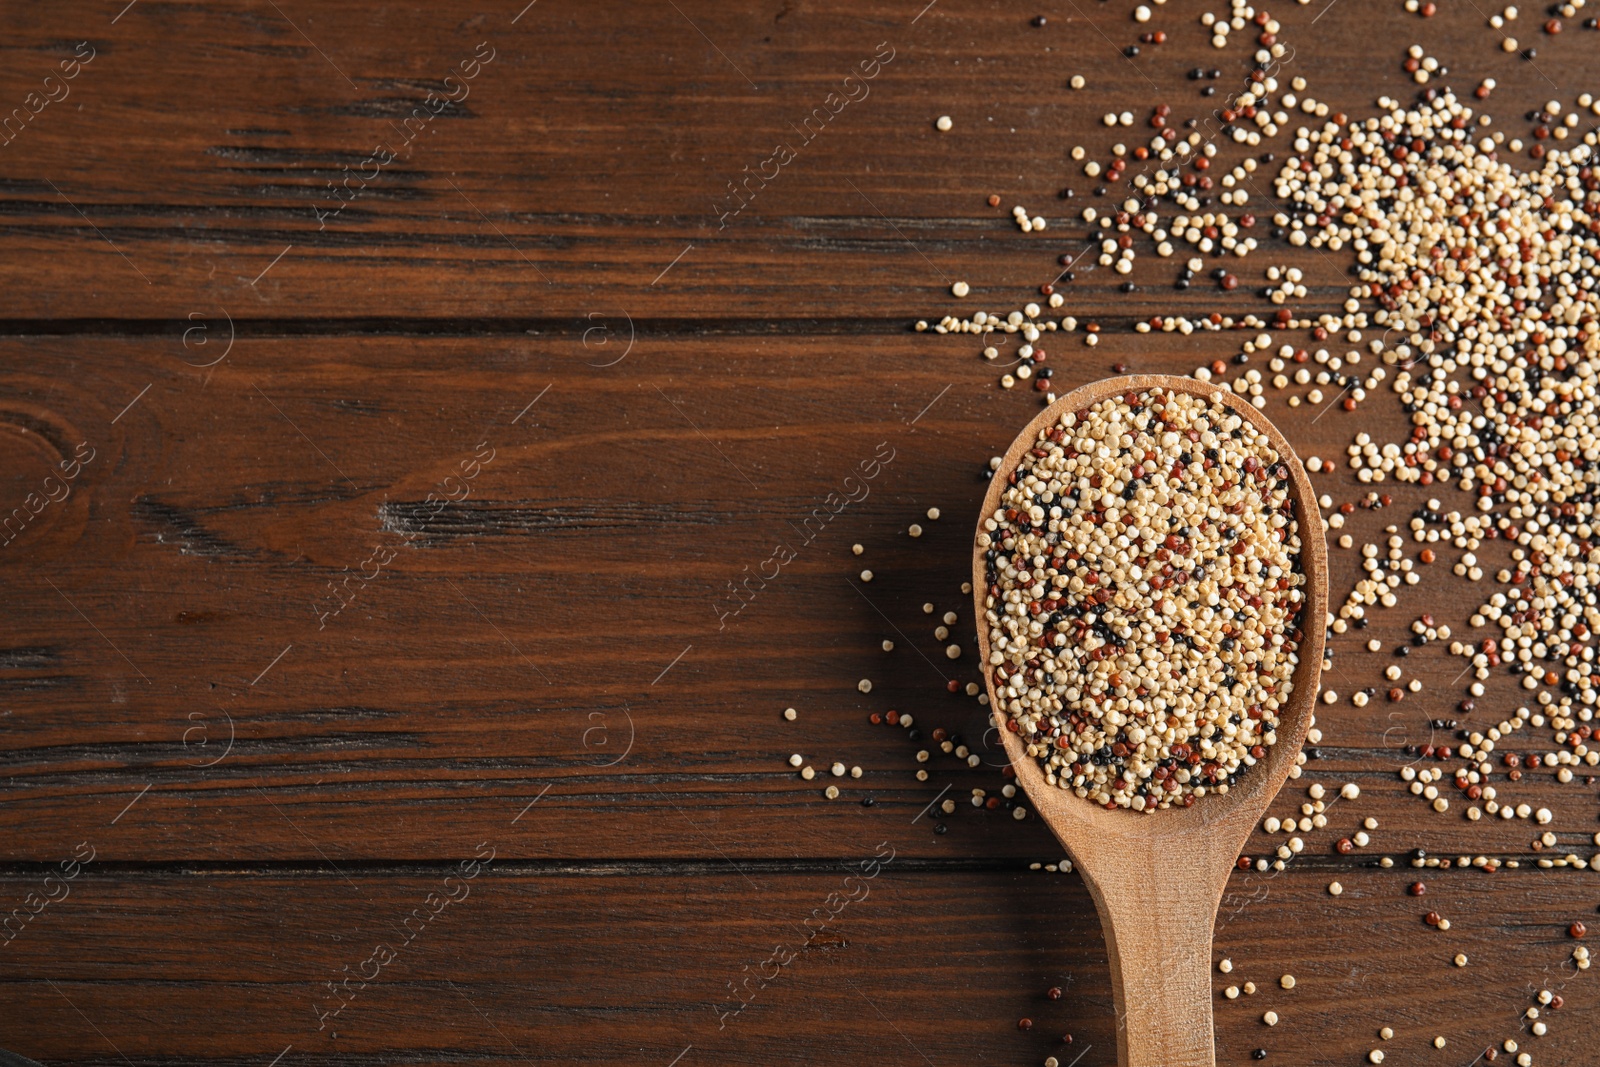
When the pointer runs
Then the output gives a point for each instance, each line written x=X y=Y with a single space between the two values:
x=459 y=498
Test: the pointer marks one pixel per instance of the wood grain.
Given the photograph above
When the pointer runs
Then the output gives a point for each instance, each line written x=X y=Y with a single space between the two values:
x=200 y=542
x=572 y=661
x=220 y=965
x=598 y=144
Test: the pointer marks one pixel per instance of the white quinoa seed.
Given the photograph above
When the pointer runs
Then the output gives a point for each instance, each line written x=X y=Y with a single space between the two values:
x=789 y=713
x=944 y=124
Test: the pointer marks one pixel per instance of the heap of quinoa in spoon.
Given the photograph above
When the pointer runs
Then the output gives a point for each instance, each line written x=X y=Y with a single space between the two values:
x=1144 y=599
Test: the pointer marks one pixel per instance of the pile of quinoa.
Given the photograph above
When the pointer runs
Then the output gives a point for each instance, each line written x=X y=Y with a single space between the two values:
x=1486 y=281
x=1144 y=599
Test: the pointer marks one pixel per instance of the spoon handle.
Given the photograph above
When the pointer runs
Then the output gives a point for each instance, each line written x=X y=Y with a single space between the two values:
x=1157 y=917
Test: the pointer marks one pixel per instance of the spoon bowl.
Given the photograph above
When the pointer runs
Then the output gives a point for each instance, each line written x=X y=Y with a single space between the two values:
x=1157 y=878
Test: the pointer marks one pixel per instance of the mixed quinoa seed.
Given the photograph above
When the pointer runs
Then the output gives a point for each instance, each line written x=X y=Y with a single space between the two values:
x=1475 y=306
x=1478 y=307
x=1144 y=599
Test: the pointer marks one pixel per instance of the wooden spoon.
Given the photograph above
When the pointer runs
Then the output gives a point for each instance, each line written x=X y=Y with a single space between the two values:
x=1157 y=879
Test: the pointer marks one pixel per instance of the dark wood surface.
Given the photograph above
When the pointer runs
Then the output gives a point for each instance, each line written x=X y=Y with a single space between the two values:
x=548 y=667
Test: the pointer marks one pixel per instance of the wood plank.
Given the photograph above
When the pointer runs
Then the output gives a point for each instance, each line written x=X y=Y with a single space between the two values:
x=634 y=963
x=593 y=150
x=183 y=582
x=652 y=843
